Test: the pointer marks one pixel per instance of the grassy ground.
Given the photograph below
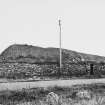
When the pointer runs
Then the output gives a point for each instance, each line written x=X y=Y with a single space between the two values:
x=67 y=96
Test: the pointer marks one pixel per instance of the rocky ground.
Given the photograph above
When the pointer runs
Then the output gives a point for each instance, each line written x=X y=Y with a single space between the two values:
x=93 y=94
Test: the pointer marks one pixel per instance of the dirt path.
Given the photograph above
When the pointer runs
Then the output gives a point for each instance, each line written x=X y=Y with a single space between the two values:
x=66 y=83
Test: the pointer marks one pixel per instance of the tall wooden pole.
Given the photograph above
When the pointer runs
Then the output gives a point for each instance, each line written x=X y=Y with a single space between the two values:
x=60 y=49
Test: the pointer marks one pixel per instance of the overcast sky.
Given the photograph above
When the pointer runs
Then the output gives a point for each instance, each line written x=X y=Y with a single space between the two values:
x=35 y=22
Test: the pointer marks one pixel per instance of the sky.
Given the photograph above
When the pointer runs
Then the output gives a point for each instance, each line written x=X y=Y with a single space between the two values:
x=35 y=22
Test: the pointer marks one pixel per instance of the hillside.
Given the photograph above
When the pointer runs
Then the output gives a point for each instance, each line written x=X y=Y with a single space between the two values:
x=33 y=54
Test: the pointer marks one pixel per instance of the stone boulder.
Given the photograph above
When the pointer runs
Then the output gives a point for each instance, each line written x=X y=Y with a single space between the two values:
x=84 y=94
x=52 y=99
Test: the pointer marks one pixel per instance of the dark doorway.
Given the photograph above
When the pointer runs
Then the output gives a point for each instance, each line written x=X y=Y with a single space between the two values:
x=91 y=69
